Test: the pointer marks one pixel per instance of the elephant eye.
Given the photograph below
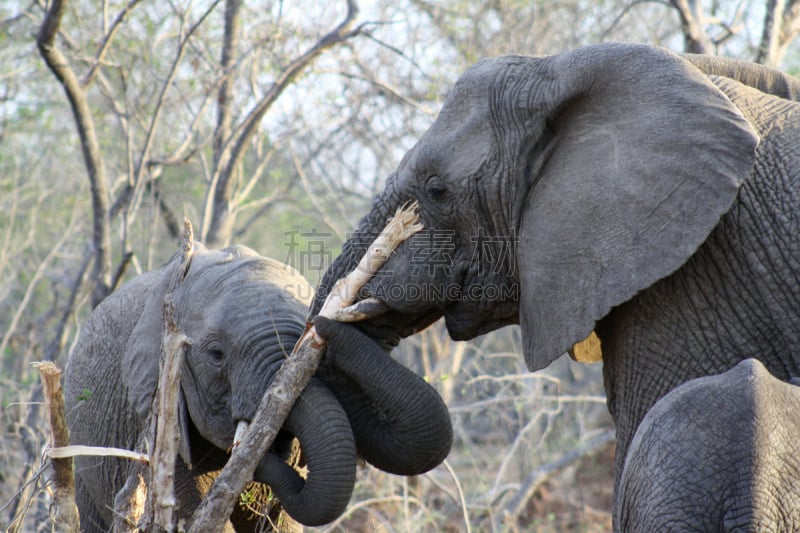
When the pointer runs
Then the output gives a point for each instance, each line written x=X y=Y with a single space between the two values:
x=436 y=190
x=214 y=349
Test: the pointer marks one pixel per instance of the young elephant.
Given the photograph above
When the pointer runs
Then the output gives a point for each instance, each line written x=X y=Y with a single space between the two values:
x=718 y=453
x=243 y=314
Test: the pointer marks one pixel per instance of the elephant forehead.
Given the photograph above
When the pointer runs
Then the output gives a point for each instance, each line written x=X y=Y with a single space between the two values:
x=259 y=274
x=487 y=74
x=470 y=98
x=216 y=295
x=455 y=146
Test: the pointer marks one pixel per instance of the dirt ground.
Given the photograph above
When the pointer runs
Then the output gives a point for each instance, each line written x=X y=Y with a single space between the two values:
x=580 y=499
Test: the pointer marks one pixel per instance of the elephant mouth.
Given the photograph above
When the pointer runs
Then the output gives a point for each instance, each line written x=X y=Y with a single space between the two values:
x=386 y=321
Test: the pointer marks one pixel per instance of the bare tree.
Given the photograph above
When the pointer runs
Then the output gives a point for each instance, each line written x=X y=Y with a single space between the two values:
x=231 y=143
x=781 y=27
x=76 y=94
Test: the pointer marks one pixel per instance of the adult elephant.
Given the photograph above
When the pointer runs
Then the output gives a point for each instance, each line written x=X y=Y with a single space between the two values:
x=243 y=314
x=717 y=453
x=615 y=199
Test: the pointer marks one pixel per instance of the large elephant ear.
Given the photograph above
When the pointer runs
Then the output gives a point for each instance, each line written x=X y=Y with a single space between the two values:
x=646 y=156
x=140 y=362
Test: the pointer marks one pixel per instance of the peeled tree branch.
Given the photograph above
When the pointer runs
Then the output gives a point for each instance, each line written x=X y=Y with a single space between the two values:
x=164 y=414
x=252 y=441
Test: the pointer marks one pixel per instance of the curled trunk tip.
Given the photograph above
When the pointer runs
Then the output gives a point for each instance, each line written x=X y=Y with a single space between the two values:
x=320 y=424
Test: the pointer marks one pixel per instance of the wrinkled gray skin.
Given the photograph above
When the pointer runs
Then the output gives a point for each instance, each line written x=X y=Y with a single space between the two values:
x=717 y=453
x=615 y=188
x=407 y=431
x=243 y=314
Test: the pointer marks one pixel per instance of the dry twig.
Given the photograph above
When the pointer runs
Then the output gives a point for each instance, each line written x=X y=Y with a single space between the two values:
x=64 y=452
x=544 y=472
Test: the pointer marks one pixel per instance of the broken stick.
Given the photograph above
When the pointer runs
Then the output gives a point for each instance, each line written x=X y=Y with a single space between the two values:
x=164 y=414
x=252 y=442
x=66 y=512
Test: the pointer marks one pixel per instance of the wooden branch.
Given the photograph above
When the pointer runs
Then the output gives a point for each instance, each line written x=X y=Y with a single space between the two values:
x=66 y=511
x=233 y=151
x=150 y=134
x=692 y=18
x=164 y=416
x=251 y=443
x=361 y=310
x=64 y=452
x=106 y=43
x=129 y=503
x=791 y=25
x=59 y=65
x=230 y=44
x=781 y=27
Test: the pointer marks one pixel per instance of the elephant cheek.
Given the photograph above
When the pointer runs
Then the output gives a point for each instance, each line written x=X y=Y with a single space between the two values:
x=211 y=418
x=466 y=320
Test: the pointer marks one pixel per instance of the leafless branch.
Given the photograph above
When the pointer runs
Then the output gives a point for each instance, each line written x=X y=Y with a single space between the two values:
x=230 y=41
x=106 y=43
x=234 y=148
x=129 y=503
x=29 y=291
x=60 y=67
x=165 y=407
x=692 y=18
x=64 y=452
x=781 y=27
x=159 y=107
x=542 y=473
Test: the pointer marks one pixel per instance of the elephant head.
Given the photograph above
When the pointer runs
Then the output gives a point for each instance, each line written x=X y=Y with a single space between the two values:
x=553 y=189
x=243 y=314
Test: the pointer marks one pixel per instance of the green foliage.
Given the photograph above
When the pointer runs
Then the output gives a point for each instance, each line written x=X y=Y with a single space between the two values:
x=85 y=395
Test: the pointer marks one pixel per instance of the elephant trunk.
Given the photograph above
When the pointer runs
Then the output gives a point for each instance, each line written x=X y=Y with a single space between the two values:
x=320 y=424
x=401 y=424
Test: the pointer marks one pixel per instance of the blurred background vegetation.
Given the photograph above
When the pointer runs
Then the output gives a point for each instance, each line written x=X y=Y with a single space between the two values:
x=272 y=124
